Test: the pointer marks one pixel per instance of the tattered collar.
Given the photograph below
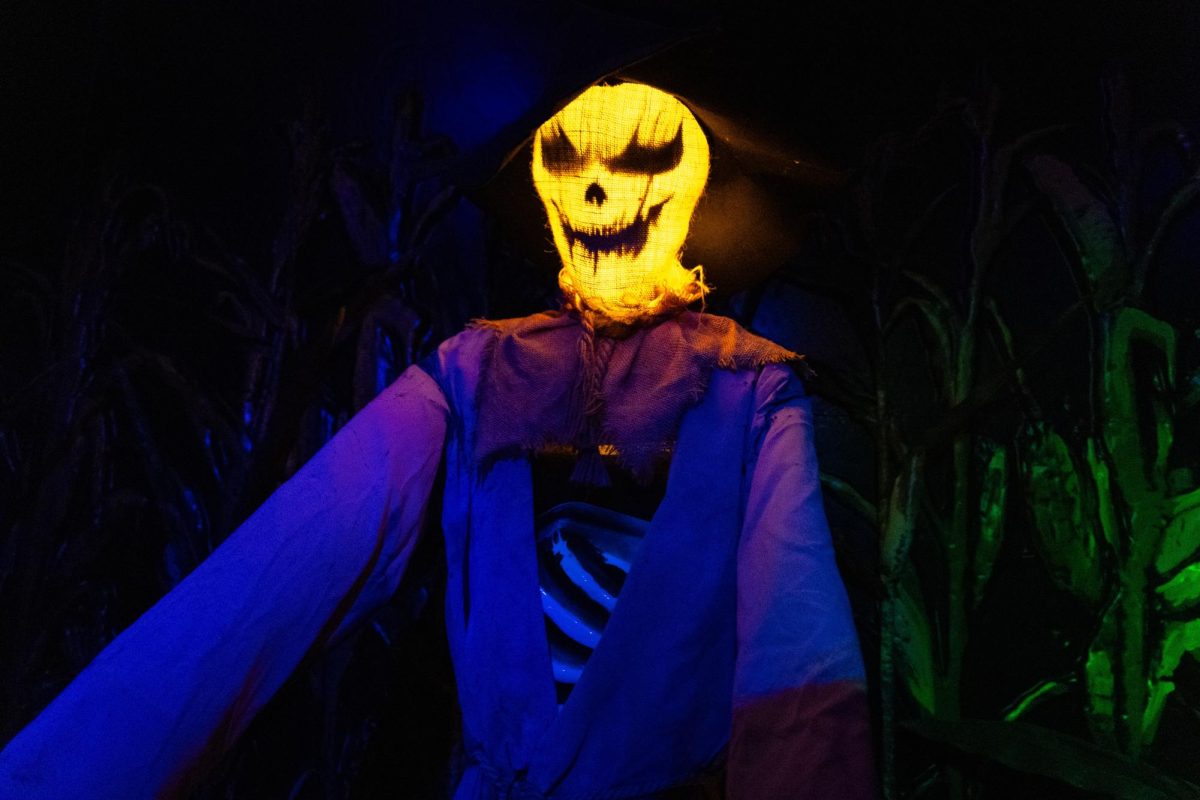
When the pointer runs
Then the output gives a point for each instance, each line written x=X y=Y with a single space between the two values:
x=551 y=379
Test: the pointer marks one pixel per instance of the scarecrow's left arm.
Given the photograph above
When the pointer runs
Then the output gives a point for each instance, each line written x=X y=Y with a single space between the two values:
x=159 y=704
x=800 y=719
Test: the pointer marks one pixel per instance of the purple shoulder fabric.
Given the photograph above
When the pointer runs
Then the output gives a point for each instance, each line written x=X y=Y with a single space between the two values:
x=179 y=685
x=644 y=380
x=800 y=717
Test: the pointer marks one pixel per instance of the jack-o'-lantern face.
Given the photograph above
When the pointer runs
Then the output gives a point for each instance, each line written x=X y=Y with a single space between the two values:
x=620 y=170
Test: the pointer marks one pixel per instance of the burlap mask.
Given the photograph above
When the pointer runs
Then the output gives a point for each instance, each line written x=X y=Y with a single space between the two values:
x=620 y=170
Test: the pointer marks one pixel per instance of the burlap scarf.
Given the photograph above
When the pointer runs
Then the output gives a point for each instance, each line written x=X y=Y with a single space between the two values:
x=551 y=379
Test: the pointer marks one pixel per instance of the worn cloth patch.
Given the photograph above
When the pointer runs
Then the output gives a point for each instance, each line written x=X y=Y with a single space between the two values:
x=551 y=380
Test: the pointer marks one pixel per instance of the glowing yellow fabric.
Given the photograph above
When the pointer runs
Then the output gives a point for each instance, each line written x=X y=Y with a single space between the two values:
x=620 y=170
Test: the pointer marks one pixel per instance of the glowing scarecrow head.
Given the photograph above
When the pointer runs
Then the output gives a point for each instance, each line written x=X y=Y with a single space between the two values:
x=620 y=170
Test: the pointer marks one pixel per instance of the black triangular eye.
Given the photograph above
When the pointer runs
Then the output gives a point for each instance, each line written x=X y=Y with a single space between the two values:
x=558 y=154
x=647 y=160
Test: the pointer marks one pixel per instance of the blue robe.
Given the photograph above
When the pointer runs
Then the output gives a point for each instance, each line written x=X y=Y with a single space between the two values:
x=731 y=638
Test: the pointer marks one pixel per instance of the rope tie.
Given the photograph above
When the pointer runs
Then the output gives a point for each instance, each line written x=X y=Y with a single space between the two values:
x=594 y=354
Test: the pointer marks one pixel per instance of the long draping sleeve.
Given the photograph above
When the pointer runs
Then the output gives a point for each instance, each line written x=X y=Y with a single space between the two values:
x=800 y=717
x=178 y=686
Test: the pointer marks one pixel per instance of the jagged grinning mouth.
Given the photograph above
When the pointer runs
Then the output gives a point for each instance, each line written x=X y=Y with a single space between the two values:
x=627 y=240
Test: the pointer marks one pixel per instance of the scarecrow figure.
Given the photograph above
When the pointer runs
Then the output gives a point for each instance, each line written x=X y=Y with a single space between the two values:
x=641 y=584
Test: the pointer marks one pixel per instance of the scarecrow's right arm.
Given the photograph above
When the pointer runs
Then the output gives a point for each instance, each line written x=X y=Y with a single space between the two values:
x=178 y=686
x=801 y=726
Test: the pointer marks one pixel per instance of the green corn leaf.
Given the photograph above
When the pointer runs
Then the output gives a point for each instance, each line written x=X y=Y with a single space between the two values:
x=1094 y=233
x=916 y=643
x=1064 y=512
x=1139 y=465
x=992 y=498
x=1101 y=680
x=1156 y=699
x=940 y=324
x=1033 y=697
x=1040 y=751
x=1182 y=591
x=1106 y=509
x=901 y=518
x=1101 y=684
x=1003 y=157
x=1181 y=539
x=850 y=496
x=944 y=302
x=1179 y=638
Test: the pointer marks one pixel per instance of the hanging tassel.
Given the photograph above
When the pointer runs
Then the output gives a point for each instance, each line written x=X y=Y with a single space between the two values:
x=590 y=469
x=594 y=352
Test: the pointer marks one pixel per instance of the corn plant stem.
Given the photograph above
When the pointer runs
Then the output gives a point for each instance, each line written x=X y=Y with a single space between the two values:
x=1131 y=627
x=1134 y=562
x=956 y=542
x=949 y=702
x=887 y=639
x=1134 y=555
x=949 y=705
x=887 y=670
x=982 y=249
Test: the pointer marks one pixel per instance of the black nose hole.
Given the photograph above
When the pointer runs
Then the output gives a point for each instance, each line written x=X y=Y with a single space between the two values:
x=595 y=194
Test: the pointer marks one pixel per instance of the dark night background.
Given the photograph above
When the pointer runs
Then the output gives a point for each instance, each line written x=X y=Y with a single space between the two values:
x=226 y=226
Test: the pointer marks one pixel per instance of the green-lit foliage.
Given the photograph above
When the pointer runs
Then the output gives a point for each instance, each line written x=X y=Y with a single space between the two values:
x=1181 y=593
x=905 y=604
x=1115 y=524
x=1092 y=231
x=992 y=495
x=1112 y=497
x=1068 y=759
x=1181 y=539
x=1064 y=506
x=913 y=634
x=947 y=490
